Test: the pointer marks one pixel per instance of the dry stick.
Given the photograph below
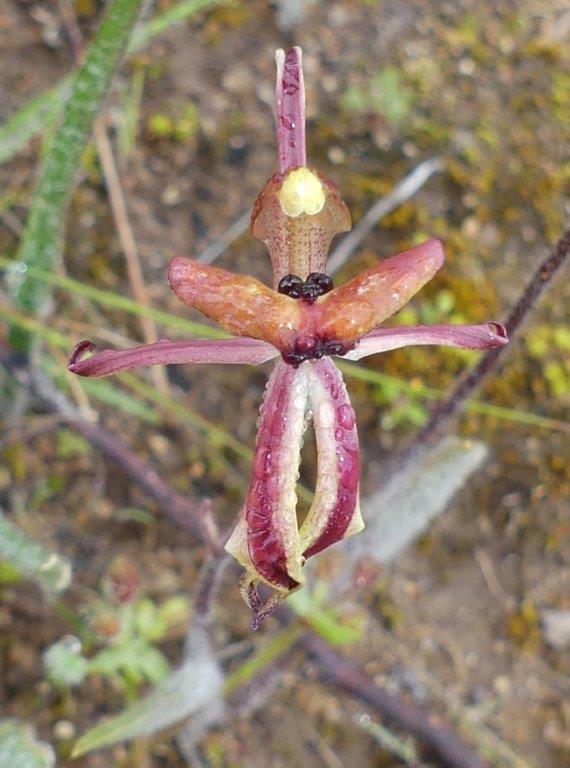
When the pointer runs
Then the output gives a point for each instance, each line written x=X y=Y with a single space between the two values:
x=117 y=201
x=194 y=517
x=408 y=187
x=236 y=230
x=473 y=378
x=12 y=223
x=72 y=28
x=208 y=584
x=128 y=242
x=439 y=739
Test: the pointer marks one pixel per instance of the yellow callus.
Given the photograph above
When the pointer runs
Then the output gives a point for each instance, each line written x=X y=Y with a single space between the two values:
x=301 y=192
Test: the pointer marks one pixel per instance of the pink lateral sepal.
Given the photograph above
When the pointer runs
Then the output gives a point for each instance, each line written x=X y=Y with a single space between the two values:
x=223 y=351
x=356 y=308
x=335 y=512
x=298 y=245
x=290 y=109
x=483 y=336
x=266 y=537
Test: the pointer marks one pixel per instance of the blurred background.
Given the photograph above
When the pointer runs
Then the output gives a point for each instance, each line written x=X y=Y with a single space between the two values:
x=470 y=619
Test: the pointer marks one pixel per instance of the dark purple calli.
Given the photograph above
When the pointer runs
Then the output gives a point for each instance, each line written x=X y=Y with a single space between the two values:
x=306 y=321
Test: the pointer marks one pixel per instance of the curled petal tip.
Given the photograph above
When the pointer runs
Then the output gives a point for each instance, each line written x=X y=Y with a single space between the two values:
x=175 y=271
x=78 y=352
x=499 y=331
x=164 y=352
x=484 y=336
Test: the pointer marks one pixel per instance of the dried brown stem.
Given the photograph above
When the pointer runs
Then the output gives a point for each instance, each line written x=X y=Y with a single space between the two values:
x=128 y=243
x=194 y=517
x=438 y=739
x=473 y=378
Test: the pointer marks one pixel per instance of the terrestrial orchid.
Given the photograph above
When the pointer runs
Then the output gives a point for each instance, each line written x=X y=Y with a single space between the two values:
x=304 y=321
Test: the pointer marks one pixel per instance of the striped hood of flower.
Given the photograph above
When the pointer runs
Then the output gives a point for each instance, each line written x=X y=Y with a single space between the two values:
x=303 y=321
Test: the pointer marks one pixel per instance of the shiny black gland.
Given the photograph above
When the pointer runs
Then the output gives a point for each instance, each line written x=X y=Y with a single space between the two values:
x=316 y=284
x=291 y=285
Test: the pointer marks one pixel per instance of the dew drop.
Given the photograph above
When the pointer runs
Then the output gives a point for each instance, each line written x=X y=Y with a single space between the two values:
x=345 y=416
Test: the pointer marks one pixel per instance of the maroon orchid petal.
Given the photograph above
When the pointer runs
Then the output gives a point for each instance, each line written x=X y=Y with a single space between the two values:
x=266 y=538
x=335 y=512
x=356 y=308
x=484 y=336
x=225 y=351
x=290 y=109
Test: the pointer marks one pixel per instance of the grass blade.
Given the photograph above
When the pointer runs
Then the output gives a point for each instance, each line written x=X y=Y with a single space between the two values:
x=19 y=129
x=178 y=13
x=115 y=301
x=41 y=242
x=30 y=120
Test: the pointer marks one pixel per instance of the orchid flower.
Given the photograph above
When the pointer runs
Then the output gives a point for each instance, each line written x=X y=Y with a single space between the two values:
x=304 y=321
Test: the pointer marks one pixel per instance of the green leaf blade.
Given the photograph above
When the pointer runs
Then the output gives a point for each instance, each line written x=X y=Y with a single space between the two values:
x=31 y=559
x=41 y=241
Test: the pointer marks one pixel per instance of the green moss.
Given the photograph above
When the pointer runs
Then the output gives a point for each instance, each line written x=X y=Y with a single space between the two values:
x=182 y=127
x=385 y=94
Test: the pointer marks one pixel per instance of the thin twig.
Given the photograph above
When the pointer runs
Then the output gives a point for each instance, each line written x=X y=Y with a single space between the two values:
x=128 y=243
x=236 y=230
x=493 y=584
x=437 y=738
x=473 y=378
x=194 y=517
x=407 y=188
x=12 y=222
x=208 y=584
x=72 y=28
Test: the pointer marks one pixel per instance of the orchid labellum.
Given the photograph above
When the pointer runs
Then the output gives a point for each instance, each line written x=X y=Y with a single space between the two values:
x=304 y=321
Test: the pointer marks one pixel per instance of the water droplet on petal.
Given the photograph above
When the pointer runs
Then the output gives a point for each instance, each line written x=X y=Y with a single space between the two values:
x=345 y=416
